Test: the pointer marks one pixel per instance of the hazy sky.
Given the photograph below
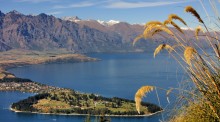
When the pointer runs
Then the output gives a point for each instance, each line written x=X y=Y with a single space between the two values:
x=132 y=11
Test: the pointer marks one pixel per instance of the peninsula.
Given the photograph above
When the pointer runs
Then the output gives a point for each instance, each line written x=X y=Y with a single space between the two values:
x=55 y=100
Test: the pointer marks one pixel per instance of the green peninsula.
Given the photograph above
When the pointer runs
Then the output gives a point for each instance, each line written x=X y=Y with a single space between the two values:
x=55 y=100
x=72 y=102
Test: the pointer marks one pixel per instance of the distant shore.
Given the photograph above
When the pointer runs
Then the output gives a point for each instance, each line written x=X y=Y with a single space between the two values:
x=16 y=58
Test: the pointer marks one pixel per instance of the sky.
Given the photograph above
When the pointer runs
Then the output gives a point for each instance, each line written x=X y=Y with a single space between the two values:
x=131 y=11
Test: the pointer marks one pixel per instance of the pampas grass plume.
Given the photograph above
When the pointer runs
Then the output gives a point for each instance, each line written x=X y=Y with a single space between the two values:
x=188 y=54
x=137 y=39
x=198 y=29
x=191 y=10
x=161 y=47
x=140 y=94
x=176 y=17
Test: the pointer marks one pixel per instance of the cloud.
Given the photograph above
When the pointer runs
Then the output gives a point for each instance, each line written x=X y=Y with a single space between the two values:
x=54 y=13
x=117 y=4
x=36 y=1
x=77 y=5
x=124 y=5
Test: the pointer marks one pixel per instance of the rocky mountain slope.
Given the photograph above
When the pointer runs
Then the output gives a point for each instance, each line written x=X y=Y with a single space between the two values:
x=45 y=32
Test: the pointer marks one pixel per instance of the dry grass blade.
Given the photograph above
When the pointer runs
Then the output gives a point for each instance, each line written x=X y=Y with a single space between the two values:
x=188 y=54
x=161 y=47
x=193 y=12
x=177 y=27
x=155 y=32
x=169 y=91
x=198 y=29
x=167 y=94
x=137 y=39
x=176 y=17
x=164 y=29
x=148 y=30
x=169 y=21
x=176 y=45
x=140 y=94
x=153 y=28
x=150 y=26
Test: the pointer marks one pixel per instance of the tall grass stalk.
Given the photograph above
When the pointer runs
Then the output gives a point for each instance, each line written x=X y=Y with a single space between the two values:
x=202 y=66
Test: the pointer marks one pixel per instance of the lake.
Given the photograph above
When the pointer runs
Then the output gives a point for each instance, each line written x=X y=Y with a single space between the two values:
x=116 y=75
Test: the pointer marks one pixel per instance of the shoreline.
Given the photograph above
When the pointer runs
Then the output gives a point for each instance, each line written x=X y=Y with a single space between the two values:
x=53 y=61
x=75 y=114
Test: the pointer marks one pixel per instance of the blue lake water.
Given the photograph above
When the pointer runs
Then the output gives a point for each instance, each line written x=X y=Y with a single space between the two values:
x=116 y=75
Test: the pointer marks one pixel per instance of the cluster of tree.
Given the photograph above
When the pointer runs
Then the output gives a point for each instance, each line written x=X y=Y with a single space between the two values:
x=18 y=80
x=91 y=111
x=71 y=97
x=27 y=104
x=152 y=108
x=79 y=111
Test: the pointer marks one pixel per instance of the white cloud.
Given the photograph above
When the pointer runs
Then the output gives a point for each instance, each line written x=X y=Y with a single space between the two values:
x=123 y=5
x=36 y=1
x=54 y=13
x=186 y=28
x=118 y=4
x=77 y=5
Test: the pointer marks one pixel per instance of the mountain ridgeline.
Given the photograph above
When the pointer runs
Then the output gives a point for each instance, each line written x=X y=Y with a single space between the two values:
x=46 y=32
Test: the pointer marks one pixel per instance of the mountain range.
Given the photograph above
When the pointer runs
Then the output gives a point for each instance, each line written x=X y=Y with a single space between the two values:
x=46 y=32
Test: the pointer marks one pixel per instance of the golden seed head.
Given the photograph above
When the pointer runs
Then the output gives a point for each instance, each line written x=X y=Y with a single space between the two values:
x=155 y=32
x=137 y=39
x=198 y=29
x=188 y=54
x=176 y=17
x=191 y=10
x=153 y=23
x=161 y=47
x=166 y=22
x=140 y=94
x=160 y=28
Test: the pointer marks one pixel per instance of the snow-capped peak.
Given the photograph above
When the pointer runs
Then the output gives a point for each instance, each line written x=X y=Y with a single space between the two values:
x=186 y=28
x=108 y=23
x=102 y=22
x=105 y=23
x=73 y=19
x=112 y=22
